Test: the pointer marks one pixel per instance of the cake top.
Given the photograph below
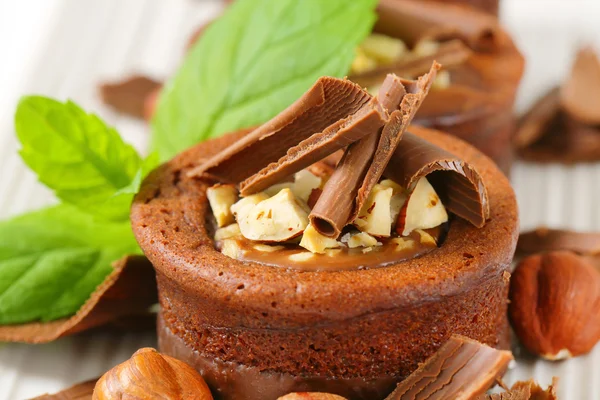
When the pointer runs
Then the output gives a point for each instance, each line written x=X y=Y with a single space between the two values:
x=295 y=204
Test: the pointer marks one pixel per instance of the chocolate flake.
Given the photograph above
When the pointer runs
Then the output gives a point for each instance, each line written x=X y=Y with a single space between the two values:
x=364 y=161
x=129 y=290
x=369 y=119
x=462 y=368
x=414 y=21
x=580 y=93
x=528 y=390
x=533 y=125
x=328 y=101
x=459 y=185
x=449 y=54
x=544 y=239
x=81 y=391
x=129 y=96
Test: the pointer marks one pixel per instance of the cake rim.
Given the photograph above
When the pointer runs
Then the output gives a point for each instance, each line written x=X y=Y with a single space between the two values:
x=199 y=268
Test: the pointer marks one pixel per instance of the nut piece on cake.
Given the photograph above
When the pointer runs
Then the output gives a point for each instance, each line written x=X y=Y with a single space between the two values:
x=555 y=303
x=277 y=219
x=221 y=198
x=315 y=242
x=422 y=210
x=375 y=217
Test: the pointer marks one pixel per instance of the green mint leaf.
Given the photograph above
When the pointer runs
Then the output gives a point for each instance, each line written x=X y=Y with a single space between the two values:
x=148 y=165
x=77 y=155
x=53 y=259
x=254 y=61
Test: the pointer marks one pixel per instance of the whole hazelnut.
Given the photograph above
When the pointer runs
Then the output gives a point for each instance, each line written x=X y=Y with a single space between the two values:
x=150 y=375
x=555 y=304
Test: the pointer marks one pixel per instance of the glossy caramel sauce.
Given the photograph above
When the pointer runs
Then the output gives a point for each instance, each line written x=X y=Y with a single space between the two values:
x=292 y=256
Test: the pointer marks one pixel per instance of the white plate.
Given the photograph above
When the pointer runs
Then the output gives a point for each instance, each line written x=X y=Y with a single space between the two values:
x=63 y=48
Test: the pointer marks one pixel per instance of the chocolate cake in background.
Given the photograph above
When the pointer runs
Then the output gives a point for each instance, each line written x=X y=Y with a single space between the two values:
x=256 y=331
x=480 y=63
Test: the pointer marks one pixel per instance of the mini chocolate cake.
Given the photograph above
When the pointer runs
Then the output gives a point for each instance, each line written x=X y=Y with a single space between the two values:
x=257 y=331
x=482 y=69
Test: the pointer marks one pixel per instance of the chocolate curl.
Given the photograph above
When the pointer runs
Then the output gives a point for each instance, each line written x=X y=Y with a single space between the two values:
x=364 y=161
x=528 y=390
x=544 y=239
x=461 y=368
x=449 y=54
x=414 y=21
x=328 y=101
x=535 y=122
x=129 y=96
x=580 y=93
x=81 y=391
x=458 y=184
x=546 y=133
x=129 y=290
x=370 y=118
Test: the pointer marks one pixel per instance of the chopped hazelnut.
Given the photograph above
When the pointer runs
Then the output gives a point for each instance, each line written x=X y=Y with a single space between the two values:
x=267 y=248
x=422 y=210
x=399 y=197
x=275 y=219
x=313 y=241
x=244 y=205
x=361 y=239
x=227 y=232
x=301 y=257
x=231 y=248
x=375 y=216
x=383 y=49
x=221 y=198
x=426 y=238
x=403 y=243
x=362 y=63
x=304 y=183
x=425 y=48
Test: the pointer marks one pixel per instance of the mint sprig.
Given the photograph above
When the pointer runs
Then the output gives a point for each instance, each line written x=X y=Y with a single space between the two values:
x=51 y=260
x=76 y=154
x=253 y=62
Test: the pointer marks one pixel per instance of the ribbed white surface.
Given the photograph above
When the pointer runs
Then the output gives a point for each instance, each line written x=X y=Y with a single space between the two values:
x=65 y=47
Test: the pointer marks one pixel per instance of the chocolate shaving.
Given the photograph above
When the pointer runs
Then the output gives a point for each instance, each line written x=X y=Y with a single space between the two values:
x=459 y=185
x=580 y=93
x=528 y=390
x=449 y=54
x=544 y=239
x=414 y=21
x=129 y=96
x=81 y=391
x=461 y=368
x=364 y=161
x=536 y=121
x=129 y=290
x=369 y=119
x=564 y=140
x=328 y=101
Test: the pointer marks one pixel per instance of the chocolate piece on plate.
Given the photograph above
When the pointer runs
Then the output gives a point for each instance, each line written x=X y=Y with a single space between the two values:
x=528 y=390
x=414 y=21
x=328 y=101
x=535 y=122
x=462 y=368
x=564 y=140
x=129 y=96
x=580 y=93
x=129 y=290
x=459 y=185
x=81 y=391
x=544 y=239
x=364 y=161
